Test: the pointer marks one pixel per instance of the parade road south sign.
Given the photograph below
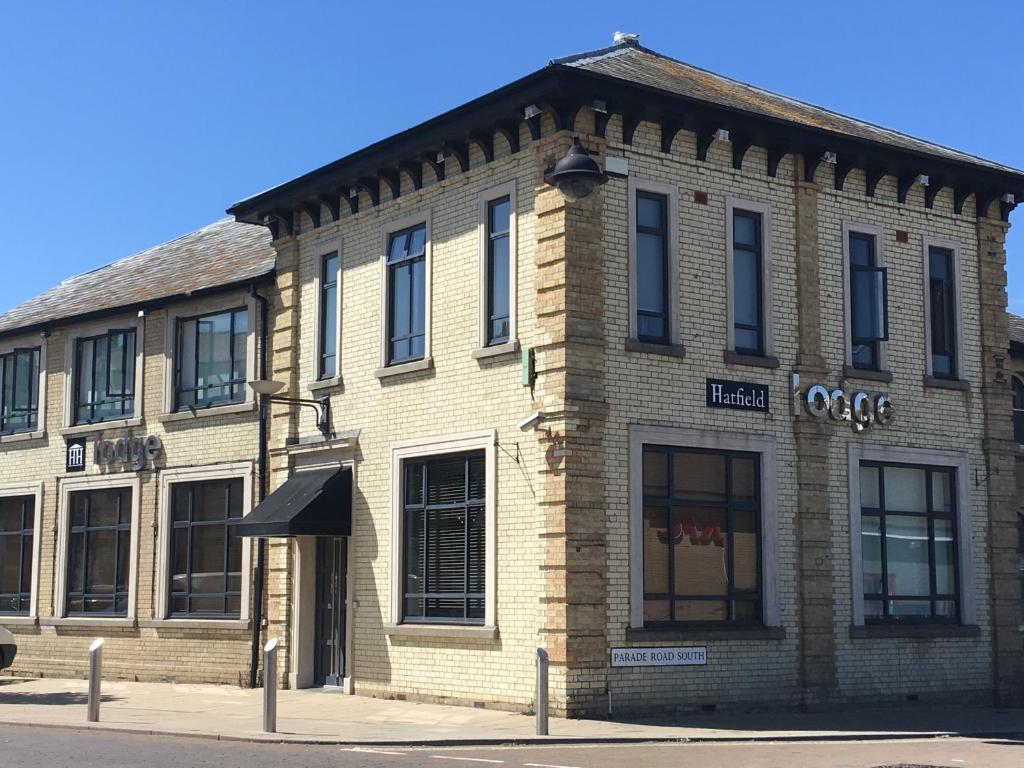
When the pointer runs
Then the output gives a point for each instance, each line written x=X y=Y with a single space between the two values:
x=659 y=657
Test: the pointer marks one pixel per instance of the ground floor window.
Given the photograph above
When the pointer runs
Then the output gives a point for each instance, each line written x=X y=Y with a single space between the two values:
x=701 y=536
x=444 y=500
x=909 y=543
x=206 y=553
x=99 y=546
x=17 y=520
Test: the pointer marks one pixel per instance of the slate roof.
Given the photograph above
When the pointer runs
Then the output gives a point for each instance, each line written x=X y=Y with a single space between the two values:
x=219 y=255
x=1016 y=323
x=635 y=64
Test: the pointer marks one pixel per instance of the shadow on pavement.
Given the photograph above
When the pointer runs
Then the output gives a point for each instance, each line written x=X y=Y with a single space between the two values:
x=50 y=699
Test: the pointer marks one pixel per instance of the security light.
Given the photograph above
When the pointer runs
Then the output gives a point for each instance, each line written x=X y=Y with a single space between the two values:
x=532 y=422
x=830 y=157
x=722 y=134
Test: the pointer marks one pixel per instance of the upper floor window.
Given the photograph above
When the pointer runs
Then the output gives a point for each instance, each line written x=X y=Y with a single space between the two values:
x=105 y=377
x=942 y=312
x=19 y=390
x=99 y=546
x=499 y=214
x=652 y=267
x=328 y=331
x=407 y=295
x=211 y=359
x=1018 y=410
x=869 y=319
x=747 y=285
x=17 y=522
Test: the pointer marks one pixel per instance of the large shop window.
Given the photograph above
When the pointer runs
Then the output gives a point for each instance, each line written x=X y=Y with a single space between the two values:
x=105 y=377
x=1018 y=410
x=701 y=531
x=327 y=365
x=98 y=552
x=942 y=314
x=498 y=296
x=869 y=318
x=407 y=295
x=444 y=527
x=17 y=521
x=206 y=552
x=211 y=359
x=909 y=543
x=748 y=290
x=19 y=391
x=652 y=272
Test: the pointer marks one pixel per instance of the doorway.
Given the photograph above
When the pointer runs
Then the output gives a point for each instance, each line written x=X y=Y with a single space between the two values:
x=329 y=638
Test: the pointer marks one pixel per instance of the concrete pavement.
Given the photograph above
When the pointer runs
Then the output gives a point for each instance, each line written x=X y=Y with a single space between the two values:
x=225 y=712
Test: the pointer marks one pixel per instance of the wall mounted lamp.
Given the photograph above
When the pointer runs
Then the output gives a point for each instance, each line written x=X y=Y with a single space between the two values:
x=577 y=174
x=268 y=389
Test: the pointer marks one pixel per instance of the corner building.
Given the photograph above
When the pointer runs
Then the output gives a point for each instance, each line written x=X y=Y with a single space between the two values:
x=730 y=430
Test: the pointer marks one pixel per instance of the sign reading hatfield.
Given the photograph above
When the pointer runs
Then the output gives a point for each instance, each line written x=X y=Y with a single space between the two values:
x=660 y=657
x=740 y=395
x=859 y=409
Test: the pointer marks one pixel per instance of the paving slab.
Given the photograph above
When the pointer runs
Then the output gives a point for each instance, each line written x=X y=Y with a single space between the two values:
x=323 y=716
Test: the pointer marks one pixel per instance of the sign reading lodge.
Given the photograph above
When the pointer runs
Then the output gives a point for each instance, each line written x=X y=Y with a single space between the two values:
x=859 y=409
x=127 y=452
x=739 y=395
x=660 y=657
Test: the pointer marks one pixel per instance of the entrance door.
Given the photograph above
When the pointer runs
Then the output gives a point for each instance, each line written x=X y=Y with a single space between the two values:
x=329 y=655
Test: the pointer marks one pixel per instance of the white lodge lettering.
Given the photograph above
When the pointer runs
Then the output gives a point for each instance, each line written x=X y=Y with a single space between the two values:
x=859 y=409
x=659 y=657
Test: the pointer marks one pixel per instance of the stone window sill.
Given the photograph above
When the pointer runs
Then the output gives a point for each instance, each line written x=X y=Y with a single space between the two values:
x=100 y=426
x=649 y=348
x=938 y=383
x=919 y=631
x=89 y=622
x=757 y=361
x=441 y=630
x=18 y=437
x=508 y=348
x=849 y=372
x=14 y=620
x=228 y=624
x=331 y=383
x=415 y=366
x=200 y=413
x=694 y=634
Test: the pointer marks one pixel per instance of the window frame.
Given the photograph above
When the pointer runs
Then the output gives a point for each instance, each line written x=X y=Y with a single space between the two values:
x=179 y=342
x=320 y=287
x=69 y=421
x=76 y=379
x=95 y=483
x=168 y=478
x=882 y=356
x=696 y=439
x=118 y=528
x=35 y=491
x=1017 y=384
x=39 y=428
x=960 y=464
x=927 y=243
x=732 y=205
x=393 y=227
x=673 y=286
x=484 y=200
x=436 y=447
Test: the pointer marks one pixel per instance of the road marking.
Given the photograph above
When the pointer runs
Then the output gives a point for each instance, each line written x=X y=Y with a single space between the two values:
x=372 y=751
x=544 y=765
x=466 y=759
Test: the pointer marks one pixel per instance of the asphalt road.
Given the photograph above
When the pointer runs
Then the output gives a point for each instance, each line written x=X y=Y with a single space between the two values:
x=28 y=747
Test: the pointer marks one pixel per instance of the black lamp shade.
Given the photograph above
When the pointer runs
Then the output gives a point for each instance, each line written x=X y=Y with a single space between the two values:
x=576 y=175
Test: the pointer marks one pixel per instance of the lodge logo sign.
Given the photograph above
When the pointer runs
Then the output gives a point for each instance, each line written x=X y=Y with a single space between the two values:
x=738 y=395
x=858 y=409
x=75 y=457
x=127 y=452
x=696 y=655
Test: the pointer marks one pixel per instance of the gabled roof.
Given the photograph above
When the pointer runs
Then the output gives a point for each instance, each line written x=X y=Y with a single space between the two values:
x=216 y=257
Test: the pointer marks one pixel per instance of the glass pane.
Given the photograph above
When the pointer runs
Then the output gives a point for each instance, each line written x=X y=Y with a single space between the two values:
x=945 y=558
x=477 y=477
x=872 y=609
x=871 y=554
x=748 y=340
x=945 y=609
x=240 y=350
x=906 y=549
x=100 y=561
x=414 y=482
x=650 y=272
x=26 y=563
x=746 y=610
x=214 y=605
x=745 y=551
x=700 y=552
x=655 y=473
x=744 y=479
x=123 y=552
x=414 y=553
x=746 y=287
x=210 y=502
x=942 y=492
x=417 y=241
x=905 y=489
x=400 y=300
x=698 y=476
x=651 y=327
x=103 y=507
x=499 y=218
x=910 y=609
x=418 y=317
x=10 y=562
x=650 y=211
x=656 y=611
x=656 y=545
x=938 y=263
x=868 y=305
x=10 y=514
x=181 y=495
x=869 y=487
x=207 y=558
x=862 y=250
x=744 y=229
x=701 y=610
x=179 y=560
x=446 y=481
x=329 y=333
x=116 y=384
x=85 y=390
x=396 y=250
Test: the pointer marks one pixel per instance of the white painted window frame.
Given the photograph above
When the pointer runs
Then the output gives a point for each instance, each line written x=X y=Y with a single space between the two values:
x=508 y=189
x=877 y=233
x=34 y=490
x=325 y=248
x=733 y=204
x=423 y=217
x=23 y=343
x=136 y=323
x=671 y=192
x=960 y=462
x=208 y=307
x=641 y=435
x=927 y=243
x=435 y=446
x=94 y=483
x=169 y=478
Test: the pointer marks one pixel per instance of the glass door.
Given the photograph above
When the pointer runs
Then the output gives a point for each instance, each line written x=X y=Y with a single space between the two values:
x=331 y=552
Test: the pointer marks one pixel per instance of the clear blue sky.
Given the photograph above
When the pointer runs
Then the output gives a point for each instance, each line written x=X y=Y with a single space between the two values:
x=124 y=124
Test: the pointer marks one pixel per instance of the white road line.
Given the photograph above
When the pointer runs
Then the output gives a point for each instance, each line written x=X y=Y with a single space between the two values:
x=372 y=751
x=544 y=765
x=466 y=759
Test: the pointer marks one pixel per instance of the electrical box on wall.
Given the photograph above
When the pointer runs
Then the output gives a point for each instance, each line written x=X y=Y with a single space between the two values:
x=529 y=368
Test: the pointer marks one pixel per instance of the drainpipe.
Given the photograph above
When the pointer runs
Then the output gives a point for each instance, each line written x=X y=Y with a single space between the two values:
x=261 y=466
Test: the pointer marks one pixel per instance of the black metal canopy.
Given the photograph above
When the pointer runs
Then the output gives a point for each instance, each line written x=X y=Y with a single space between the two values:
x=317 y=502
